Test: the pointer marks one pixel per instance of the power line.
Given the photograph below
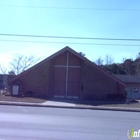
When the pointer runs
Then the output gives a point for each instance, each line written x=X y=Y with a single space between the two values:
x=65 y=37
x=69 y=8
x=25 y=41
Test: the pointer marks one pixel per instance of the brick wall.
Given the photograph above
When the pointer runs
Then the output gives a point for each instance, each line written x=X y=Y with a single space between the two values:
x=36 y=80
x=97 y=84
x=51 y=79
x=40 y=81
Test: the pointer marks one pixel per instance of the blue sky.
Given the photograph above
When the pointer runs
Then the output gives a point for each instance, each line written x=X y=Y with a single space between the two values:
x=94 y=18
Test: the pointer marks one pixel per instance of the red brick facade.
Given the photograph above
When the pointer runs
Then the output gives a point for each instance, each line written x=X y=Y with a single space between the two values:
x=97 y=83
x=68 y=74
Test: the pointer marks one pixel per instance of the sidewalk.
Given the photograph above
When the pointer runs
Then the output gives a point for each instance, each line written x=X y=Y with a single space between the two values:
x=70 y=105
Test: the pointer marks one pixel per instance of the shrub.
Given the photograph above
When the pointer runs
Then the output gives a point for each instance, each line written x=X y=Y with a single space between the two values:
x=29 y=94
x=116 y=97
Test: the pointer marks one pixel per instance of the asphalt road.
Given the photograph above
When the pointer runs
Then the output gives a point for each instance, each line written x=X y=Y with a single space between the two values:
x=38 y=123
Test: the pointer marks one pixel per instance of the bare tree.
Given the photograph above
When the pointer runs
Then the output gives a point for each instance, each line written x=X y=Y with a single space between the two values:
x=3 y=70
x=99 y=61
x=11 y=73
x=109 y=59
x=123 y=59
x=21 y=63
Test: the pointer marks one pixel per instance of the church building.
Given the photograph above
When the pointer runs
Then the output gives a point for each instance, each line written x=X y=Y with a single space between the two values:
x=67 y=74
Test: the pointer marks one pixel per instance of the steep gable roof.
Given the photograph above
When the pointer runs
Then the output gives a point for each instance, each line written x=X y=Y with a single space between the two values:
x=75 y=53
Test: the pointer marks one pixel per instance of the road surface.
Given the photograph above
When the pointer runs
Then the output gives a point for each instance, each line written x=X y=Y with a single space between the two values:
x=39 y=123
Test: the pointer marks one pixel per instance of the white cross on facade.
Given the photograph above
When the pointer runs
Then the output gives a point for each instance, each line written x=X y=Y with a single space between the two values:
x=67 y=66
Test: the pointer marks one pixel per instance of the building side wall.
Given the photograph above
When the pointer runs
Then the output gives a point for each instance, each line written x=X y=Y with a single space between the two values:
x=51 y=79
x=97 y=84
x=36 y=81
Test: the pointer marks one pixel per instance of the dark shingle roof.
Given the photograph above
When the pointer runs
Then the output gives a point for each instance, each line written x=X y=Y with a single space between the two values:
x=128 y=78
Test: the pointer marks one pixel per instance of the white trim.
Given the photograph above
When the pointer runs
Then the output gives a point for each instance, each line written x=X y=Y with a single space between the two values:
x=74 y=66
x=62 y=96
x=56 y=96
x=69 y=96
x=76 y=97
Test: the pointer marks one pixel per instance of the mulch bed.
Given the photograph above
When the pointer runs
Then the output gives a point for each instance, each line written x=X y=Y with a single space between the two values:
x=135 y=104
x=130 y=105
x=21 y=99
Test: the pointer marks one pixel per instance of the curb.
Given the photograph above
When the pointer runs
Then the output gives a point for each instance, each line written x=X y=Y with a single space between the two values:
x=73 y=107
